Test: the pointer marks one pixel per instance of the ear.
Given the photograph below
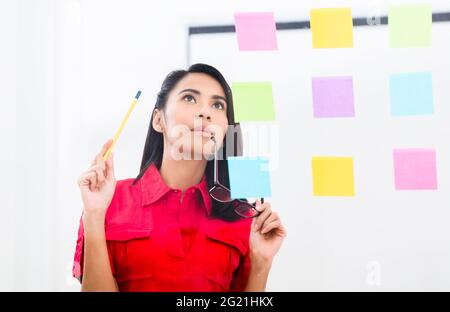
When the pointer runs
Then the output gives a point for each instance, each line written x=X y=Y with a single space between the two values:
x=157 y=122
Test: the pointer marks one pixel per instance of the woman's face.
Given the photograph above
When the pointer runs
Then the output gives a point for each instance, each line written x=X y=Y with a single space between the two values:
x=196 y=111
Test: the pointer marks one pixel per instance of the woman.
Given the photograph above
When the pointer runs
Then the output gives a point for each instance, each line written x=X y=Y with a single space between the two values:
x=165 y=230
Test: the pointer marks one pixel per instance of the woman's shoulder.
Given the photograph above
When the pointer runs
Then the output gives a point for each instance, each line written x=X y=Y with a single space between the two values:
x=125 y=191
x=126 y=185
x=125 y=206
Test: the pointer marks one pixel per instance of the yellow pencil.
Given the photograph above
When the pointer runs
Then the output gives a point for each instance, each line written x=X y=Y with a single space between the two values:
x=124 y=121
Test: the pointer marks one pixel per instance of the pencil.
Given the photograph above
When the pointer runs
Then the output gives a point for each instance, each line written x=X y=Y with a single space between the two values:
x=124 y=121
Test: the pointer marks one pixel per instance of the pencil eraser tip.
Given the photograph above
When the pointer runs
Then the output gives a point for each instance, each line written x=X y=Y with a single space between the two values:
x=138 y=95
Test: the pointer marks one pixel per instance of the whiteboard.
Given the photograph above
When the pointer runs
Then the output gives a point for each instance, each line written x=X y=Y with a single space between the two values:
x=380 y=239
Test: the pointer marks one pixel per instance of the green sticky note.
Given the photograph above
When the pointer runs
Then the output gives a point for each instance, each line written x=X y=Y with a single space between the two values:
x=253 y=101
x=410 y=26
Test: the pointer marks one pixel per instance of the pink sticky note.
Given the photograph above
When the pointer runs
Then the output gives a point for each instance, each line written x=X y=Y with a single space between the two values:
x=415 y=169
x=256 y=31
x=333 y=97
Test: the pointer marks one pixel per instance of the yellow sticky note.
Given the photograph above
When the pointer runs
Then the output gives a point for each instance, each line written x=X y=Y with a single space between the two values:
x=333 y=176
x=332 y=28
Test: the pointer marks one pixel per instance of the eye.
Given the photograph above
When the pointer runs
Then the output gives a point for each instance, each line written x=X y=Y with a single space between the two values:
x=219 y=105
x=189 y=98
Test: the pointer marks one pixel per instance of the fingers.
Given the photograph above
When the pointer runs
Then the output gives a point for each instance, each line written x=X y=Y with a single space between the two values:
x=100 y=170
x=85 y=179
x=270 y=226
x=265 y=210
x=272 y=217
x=110 y=168
x=94 y=178
x=89 y=180
x=267 y=220
x=99 y=157
x=261 y=206
x=108 y=165
x=105 y=147
x=100 y=174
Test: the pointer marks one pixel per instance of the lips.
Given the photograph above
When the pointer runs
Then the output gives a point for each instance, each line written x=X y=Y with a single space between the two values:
x=203 y=129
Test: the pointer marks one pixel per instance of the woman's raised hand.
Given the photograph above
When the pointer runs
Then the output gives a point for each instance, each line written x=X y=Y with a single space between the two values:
x=98 y=183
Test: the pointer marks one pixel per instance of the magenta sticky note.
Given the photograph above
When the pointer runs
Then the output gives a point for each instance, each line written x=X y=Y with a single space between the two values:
x=415 y=169
x=256 y=31
x=333 y=97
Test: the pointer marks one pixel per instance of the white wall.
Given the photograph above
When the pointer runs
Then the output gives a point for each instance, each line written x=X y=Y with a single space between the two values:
x=69 y=69
x=398 y=238
x=7 y=137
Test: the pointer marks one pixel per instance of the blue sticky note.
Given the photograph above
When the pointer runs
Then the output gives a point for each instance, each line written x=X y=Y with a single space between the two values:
x=411 y=94
x=249 y=177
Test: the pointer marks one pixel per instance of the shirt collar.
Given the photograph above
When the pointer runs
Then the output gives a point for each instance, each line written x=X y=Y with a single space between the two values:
x=153 y=188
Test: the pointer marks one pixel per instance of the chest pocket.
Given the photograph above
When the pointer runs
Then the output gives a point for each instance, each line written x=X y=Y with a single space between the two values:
x=223 y=254
x=133 y=257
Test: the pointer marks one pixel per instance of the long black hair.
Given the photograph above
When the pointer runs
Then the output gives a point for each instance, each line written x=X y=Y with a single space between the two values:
x=154 y=143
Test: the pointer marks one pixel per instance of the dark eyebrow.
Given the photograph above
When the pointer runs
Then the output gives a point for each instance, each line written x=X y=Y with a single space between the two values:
x=218 y=97
x=215 y=97
x=190 y=90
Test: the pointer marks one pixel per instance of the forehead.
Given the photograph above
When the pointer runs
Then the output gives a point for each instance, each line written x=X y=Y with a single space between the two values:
x=201 y=82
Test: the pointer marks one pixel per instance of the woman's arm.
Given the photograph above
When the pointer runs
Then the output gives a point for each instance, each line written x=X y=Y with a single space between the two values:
x=266 y=236
x=97 y=270
x=97 y=186
x=259 y=273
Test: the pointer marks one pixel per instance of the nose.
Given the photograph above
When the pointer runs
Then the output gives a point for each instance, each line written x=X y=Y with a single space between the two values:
x=202 y=116
x=203 y=113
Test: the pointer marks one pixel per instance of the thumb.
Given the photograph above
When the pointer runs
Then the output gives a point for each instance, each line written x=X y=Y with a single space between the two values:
x=258 y=205
x=110 y=167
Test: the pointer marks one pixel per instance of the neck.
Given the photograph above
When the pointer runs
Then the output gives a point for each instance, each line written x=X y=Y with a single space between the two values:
x=181 y=174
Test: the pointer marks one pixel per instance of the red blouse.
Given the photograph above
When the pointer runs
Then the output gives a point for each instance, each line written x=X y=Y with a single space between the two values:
x=158 y=241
